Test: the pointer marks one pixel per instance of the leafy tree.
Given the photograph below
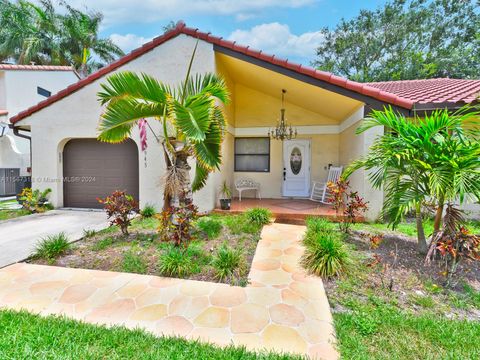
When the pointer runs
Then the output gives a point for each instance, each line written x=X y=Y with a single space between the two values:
x=192 y=120
x=40 y=34
x=436 y=157
x=405 y=39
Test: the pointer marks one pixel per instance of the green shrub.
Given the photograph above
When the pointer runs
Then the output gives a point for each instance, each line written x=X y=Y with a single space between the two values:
x=318 y=225
x=102 y=244
x=259 y=216
x=88 y=233
x=210 y=226
x=52 y=246
x=35 y=201
x=311 y=238
x=326 y=255
x=148 y=211
x=133 y=263
x=176 y=261
x=226 y=261
x=239 y=224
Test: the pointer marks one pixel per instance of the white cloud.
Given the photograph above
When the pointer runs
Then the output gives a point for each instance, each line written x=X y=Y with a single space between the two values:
x=129 y=42
x=244 y=16
x=276 y=38
x=128 y=11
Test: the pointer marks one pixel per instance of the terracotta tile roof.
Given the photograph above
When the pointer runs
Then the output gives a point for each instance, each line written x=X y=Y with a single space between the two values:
x=433 y=91
x=36 y=67
x=181 y=28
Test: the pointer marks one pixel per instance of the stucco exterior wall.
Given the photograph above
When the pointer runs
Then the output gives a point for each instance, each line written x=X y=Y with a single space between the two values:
x=352 y=147
x=18 y=91
x=77 y=116
x=11 y=157
x=21 y=87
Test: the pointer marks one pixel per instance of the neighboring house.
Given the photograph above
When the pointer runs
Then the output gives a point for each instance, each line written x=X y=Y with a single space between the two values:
x=325 y=108
x=22 y=86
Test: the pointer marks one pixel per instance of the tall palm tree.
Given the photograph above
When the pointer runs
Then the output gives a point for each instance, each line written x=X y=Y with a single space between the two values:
x=81 y=40
x=431 y=158
x=40 y=34
x=30 y=33
x=192 y=120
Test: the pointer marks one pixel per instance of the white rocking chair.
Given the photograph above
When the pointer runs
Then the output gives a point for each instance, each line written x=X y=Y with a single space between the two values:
x=320 y=189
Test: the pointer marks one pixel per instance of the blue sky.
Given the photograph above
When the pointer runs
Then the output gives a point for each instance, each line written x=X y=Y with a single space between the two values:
x=288 y=28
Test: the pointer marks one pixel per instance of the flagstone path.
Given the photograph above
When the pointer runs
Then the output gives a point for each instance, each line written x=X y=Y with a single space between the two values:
x=282 y=309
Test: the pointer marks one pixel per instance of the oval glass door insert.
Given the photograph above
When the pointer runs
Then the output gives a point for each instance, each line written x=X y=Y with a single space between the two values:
x=296 y=160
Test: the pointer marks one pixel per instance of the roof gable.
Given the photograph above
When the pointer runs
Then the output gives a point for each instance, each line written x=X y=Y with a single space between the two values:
x=371 y=91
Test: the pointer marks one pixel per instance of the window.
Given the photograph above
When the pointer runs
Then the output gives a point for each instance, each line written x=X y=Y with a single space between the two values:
x=252 y=154
x=43 y=92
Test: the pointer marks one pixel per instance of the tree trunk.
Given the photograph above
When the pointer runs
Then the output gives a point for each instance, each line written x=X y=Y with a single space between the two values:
x=178 y=189
x=422 y=246
x=438 y=215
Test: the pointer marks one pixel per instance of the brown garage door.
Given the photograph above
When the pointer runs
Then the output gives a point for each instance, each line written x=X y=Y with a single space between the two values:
x=94 y=169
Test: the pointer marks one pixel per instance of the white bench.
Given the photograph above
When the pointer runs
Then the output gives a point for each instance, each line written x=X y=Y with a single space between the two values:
x=247 y=184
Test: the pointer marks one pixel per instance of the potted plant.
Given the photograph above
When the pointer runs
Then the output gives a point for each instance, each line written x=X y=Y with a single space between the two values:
x=225 y=197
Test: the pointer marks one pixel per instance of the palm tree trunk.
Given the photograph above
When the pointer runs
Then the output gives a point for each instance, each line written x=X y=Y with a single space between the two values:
x=438 y=215
x=421 y=240
x=178 y=189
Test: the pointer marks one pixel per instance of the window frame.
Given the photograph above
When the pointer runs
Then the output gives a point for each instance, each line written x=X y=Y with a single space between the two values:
x=242 y=154
x=43 y=92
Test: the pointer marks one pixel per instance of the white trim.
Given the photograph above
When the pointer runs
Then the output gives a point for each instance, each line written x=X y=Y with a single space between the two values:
x=352 y=119
x=302 y=130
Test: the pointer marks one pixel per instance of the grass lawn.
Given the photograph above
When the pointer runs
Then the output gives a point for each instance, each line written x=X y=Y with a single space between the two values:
x=378 y=331
x=390 y=305
x=222 y=250
x=409 y=228
x=26 y=336
x=416 y=319
x=6 y=214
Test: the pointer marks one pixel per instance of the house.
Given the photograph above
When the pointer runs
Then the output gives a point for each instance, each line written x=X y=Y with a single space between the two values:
x=324 y=108
x=22 y=86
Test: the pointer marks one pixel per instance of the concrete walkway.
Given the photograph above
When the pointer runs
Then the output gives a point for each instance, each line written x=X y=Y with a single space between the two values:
x=19 y=236
x=282 y=309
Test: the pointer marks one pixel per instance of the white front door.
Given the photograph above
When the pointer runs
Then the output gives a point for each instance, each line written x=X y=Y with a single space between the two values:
x=296 y=168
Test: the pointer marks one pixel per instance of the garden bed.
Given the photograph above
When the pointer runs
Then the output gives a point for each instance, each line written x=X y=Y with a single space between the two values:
x=386 y=303
x=395 y=273
x=222 y=250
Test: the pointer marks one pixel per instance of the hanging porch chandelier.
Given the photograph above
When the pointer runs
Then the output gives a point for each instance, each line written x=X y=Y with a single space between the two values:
x=282 y=131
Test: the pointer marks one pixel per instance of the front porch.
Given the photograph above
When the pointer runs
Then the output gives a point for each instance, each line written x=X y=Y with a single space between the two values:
x=284 y=210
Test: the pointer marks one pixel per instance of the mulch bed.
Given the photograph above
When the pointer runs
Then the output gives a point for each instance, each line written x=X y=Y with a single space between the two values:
x=396 y=271
x=146 y=244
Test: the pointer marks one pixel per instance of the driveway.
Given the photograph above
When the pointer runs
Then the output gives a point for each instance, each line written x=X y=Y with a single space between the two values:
x=19 y=236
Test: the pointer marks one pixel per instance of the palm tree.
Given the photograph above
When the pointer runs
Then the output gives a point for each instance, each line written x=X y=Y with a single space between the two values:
x=192 y=120
x=38 y=33
x=436 y=157
x=81 y=40
x=30 y=33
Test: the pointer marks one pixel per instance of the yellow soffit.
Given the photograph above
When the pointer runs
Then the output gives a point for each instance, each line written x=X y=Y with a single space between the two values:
x=310 y=97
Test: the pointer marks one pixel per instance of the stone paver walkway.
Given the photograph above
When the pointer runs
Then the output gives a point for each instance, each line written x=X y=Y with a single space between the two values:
x=282 y=309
